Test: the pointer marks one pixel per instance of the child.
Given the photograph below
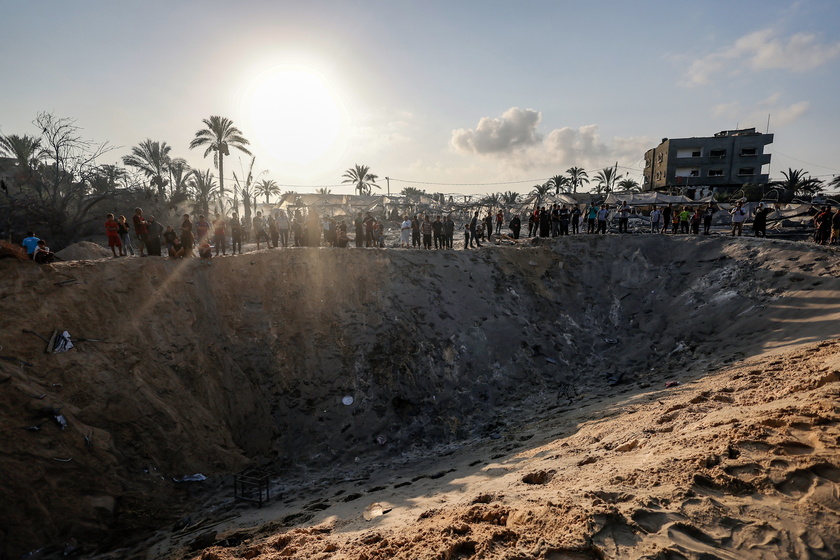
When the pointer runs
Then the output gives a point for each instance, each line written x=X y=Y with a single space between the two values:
x=122 y=230
x=42 y=253
x=112 y=231
x=205 y=253
x=176 y=250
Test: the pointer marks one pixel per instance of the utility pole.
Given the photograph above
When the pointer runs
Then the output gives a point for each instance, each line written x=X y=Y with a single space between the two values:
x=388 y=180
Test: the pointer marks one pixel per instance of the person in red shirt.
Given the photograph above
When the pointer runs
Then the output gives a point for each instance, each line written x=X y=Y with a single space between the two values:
x=111 y=230
x=141 y=229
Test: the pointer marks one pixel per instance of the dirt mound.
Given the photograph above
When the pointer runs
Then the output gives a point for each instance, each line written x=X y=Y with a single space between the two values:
x=195 y=369
x=84 y=251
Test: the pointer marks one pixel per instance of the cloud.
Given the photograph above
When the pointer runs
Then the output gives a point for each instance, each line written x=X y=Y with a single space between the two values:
x=756 y=114
x=513 y=142
x=763 y=50
x=514 y=130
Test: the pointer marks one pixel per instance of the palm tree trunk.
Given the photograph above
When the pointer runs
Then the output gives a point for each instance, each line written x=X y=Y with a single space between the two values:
x=221 y=175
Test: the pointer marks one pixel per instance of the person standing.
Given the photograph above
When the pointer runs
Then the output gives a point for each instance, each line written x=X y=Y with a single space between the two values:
x=448 y=231
x=187 y=237
x=488 y=225
x=112 y=231
x=125 y=236
x=283 y=226
x=359 y=222
x=685 y=218
x=667 y=214
x=235 y=233
x=467 y=238
x=545 y=222
x=760 y=220
x=623 y=217
x=500 y=217
x=591 y=218
x=564 y=217
x=555 y=220
x=154 y=231
x=515 y=225
x=273 y=232
x=603 y=216
x=220 y=235
x=696 y=218
x=140 y=229
x=576 y=216
x=655 y=218
x=437 y=230
x=708 y=214
x=259 y=229
x=473 y=226
x=405 y=233
x=426 y=231
x=202 y=229
x=739 y=216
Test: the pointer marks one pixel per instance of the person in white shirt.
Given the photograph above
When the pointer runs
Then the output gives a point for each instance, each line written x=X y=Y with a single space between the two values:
x=739 y=216
x=405 y=233
x=655 y=219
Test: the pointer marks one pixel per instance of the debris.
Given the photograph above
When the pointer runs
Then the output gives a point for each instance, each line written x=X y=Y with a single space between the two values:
x=611 y=340
x=375 y=510
x=60 y=460
x=533 y=263
x=381 y=440
x=551 y=360
x=62 y=343
x=33 y=428
x=67 y=282
x=60 y=420
x=36 y=334
x=197 y=477
x=347 y=400
x=15 y=360
x=669 y=384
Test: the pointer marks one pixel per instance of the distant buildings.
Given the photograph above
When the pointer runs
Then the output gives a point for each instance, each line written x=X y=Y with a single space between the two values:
x=699 y=166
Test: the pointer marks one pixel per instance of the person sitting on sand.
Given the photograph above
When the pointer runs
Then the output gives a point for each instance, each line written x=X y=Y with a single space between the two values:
x=42 y=253
x=176 y=250
x=205 y=253
x=112 y=231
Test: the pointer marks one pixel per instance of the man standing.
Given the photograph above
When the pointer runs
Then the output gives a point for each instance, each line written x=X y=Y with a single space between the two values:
x=360 y=229
x=591 y=218
x=448 y=231
x=655 y=218
x=760 y=220
x=623 y=217
x=564 y=216
x=437 y=230
x=603 y=216
x=515 y=225
x=500 y=217
x=283 y=226
x=426 y=230
x=739 y=216
x=473 y=227
x=219 y=239
x=575 y=213
x=666 y=217
x=259 y=229
x=708 y=213
x=141 y=229
x=235 y=233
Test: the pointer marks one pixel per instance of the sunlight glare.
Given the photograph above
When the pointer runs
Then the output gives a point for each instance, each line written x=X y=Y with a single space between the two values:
x=294 y=115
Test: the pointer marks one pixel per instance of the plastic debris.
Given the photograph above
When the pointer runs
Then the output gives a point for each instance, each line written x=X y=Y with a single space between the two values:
x=611 y=340
x=197 y=477
x=669 y=384
x=60 y=420
x=62 y=343
x=347 y=400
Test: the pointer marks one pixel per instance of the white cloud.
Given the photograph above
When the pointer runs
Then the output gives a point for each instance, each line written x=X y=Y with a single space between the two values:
x=514 y=130
x=513 y=142
x=755 y=115
x=763 y=50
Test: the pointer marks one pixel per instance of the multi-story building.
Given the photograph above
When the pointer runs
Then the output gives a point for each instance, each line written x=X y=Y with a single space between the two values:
x=726 y=161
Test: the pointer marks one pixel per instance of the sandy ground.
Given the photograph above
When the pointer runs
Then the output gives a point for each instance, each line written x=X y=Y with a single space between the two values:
x=507 y=403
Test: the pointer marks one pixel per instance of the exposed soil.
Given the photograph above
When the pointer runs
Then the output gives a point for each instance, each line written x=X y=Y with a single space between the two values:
x=506 y=403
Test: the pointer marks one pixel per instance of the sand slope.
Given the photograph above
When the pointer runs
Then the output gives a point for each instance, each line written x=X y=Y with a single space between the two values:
x=209 y=369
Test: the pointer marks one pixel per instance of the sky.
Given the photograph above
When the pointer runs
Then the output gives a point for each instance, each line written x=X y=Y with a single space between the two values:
x=446 y=96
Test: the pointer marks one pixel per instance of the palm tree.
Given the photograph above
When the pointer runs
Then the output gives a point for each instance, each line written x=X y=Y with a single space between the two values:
x=606 y=179
x=152 y=159
x=322 y=190
x=219 y=136
x=541 y=191
x=203 y=185
x=628 y=185
x=25 y=149
x=798 y=183
x=412 y=191
x=577 y=177
x=179 y=172
x=362 y=178
x=266 y=188
x=559 y=183
x=509 y=198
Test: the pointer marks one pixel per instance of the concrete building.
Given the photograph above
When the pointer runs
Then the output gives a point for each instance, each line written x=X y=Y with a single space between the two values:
x=699 y=166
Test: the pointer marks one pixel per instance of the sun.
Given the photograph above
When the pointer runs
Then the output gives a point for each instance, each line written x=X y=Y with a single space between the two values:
x=294 y=115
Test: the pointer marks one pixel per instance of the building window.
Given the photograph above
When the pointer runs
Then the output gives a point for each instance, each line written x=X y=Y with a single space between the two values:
x=659 y=157
x=717 y=154
x=695 y=153
x=715 y=172
x=647 y=163
x=746 y=171
x=694 y=173
x=747 y=152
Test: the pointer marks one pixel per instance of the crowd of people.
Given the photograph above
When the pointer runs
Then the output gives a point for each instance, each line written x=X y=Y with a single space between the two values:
x=306 y=228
